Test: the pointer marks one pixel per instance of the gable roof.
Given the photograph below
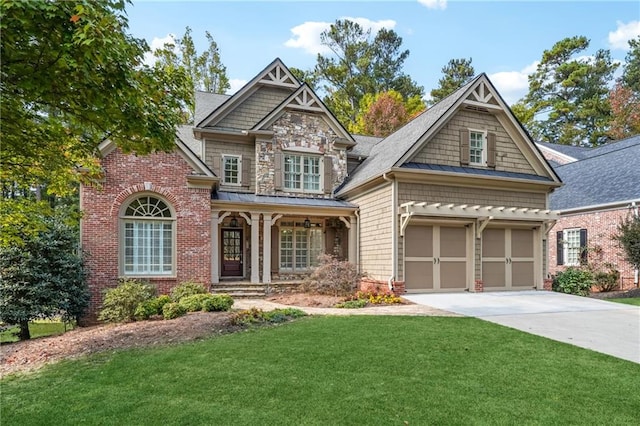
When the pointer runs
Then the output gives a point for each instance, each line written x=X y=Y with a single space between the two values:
x=611 y=177
x=274 y=74
x=206 y=103
x=573 y=152
x=397 y=148
x=364 y=145
x=304 y=99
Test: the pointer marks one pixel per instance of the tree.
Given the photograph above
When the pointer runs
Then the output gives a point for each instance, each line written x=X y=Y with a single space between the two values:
x=44 y=277
x=383 y=113
x=631 y=73
x=628 y=237
x=568 y=95
x=71 y=78
x=457 y=73
x=624 y=98
x=625 y=108
x=303 y=76
x=205 y=71
x=360 y=64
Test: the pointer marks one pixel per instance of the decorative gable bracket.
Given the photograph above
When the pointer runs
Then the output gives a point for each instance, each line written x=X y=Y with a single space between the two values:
x=280 y=77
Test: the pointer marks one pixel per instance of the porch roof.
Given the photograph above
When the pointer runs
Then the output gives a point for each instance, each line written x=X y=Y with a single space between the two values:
x=239 y=197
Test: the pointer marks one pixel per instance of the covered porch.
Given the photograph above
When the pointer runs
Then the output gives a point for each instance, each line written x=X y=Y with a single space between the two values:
x=267 y=239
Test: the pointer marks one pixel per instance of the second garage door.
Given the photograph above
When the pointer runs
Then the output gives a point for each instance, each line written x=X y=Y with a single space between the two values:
x=508 y=259
x=435 y=258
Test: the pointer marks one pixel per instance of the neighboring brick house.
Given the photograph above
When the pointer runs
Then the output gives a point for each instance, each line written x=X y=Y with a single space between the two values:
x=601 y=188
x=267 y=179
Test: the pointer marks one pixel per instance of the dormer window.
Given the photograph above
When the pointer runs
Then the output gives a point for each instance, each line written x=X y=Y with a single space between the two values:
x=477 y=148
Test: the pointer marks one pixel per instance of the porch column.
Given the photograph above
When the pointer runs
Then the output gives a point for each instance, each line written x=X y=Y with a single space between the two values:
x=255 y=247
x=353 y=241
x=266 y=249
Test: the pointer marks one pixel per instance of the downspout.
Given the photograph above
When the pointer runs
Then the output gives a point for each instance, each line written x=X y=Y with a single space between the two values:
x=394 y=232
x=357 y=242
x=636 y=213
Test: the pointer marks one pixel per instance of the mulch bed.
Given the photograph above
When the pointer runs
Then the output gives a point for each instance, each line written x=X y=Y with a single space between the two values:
x=616 y=294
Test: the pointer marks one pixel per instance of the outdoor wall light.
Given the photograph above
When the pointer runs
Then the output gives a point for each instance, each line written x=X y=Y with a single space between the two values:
x=307 y=223
x=233 y=222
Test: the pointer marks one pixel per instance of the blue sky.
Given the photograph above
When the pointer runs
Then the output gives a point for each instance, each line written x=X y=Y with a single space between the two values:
x=504 y=38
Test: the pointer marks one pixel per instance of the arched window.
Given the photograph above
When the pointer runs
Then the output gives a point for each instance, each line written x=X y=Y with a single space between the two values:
x=148 y=237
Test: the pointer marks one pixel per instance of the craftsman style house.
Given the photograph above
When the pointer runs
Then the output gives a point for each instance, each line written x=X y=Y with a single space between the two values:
x=601 y=189
x=268 y=179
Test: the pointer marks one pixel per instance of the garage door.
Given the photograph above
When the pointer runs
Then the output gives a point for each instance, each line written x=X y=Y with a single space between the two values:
x=435 y=258
x=507 y=259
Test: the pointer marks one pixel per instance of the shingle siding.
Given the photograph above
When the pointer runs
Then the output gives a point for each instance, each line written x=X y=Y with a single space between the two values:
x=254 y=109
x=216 y=148
x=460 y=195
x=444 y=147
x=375 y=232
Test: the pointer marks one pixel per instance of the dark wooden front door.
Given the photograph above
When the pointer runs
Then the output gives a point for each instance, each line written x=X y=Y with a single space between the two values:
x=232 y=252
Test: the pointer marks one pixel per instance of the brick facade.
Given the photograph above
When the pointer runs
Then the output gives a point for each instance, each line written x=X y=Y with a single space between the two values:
x=602 y=248
x=161 y=174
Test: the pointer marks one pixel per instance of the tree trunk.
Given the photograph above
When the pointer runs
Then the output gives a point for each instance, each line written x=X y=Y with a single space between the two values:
x=24 y=331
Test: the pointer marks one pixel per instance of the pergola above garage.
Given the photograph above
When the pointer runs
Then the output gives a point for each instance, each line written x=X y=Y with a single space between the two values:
x=481 y=214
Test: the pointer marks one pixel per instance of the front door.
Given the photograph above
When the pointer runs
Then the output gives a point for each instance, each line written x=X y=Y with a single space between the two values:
x=232 y=253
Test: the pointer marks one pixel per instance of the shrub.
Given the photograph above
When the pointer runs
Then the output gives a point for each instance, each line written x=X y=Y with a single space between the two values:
x=607 y=281
x=353 y=304
x=333 y=277
x=44 y=275
x=257 y=316
x=217 y=303
x=120 y=303
x=173 y=310
x=187 y=288
x=193 y=303
x=151 y=307
x=573 y=281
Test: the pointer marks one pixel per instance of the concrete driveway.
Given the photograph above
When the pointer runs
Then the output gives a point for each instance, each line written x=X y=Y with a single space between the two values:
x=607 y=327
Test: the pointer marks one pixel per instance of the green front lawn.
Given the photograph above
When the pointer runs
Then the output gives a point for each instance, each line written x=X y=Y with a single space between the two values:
x=37 y=329
x=337 y=370
x=626 y=300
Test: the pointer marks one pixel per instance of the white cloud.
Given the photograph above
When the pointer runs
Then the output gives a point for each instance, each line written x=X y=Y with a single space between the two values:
x=157 y=43
x=434 y=4
x=307 y=36
x=236 y=84
x=619 y=39
x=513 y=85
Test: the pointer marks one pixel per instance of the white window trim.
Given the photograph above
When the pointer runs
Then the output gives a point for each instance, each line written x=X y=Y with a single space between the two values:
x=484 y=147
x=320 y=171
x=223 y=159
x=293 y=228
x=565 y=247
x=123 y=219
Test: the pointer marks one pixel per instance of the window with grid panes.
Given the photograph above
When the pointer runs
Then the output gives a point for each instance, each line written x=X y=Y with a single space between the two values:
x=148 y=237
x=572 y=250
x=476 y=147
x=300 y=246
x=302 y=172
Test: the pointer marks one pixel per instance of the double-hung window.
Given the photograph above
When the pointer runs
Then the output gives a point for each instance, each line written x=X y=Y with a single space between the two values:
x=148 y=239
x=300 y=246
x=571 y=249
x=302 y=172
x=231 y=169
x=477 y=148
